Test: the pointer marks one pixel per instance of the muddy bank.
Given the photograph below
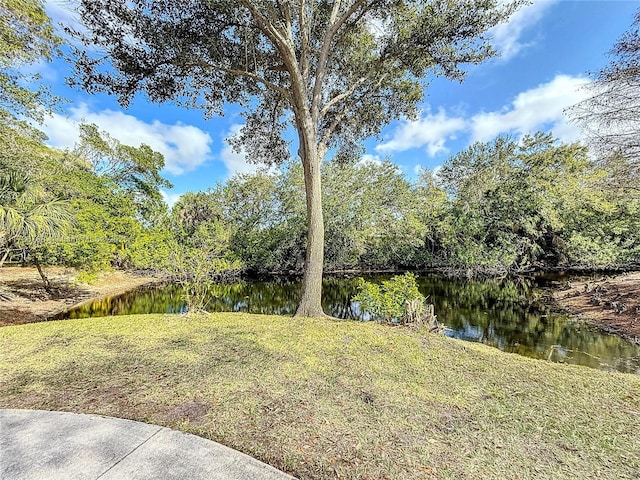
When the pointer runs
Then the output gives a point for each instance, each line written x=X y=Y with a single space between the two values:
x=23 y=298
x=610 y=302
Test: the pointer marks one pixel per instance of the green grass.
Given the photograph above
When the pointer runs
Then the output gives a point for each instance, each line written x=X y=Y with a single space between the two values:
x=323 y=399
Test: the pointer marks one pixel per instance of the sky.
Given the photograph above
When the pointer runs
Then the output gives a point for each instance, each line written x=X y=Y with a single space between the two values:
x=547 y=51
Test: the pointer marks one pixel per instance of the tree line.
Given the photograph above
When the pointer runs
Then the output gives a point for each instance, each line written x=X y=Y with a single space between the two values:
x=498 y=207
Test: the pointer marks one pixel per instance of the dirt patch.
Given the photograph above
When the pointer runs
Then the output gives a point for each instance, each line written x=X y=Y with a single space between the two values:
x=23 y=298
x=191 y=411
x=611 y=303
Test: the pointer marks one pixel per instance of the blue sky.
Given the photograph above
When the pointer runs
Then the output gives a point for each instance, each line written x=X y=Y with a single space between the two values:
x=547 y=50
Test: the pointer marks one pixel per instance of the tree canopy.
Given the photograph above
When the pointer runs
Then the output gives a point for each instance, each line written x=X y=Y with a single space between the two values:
x=337 y=71
x=26 y=37
x=135 y=170
x=499 y=207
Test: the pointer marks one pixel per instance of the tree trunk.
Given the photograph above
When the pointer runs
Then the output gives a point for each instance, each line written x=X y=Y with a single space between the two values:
x=310 y=300
x=4 y=257
x=45 y=280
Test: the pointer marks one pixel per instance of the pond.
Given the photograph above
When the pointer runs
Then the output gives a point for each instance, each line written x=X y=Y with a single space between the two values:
x=508 y=314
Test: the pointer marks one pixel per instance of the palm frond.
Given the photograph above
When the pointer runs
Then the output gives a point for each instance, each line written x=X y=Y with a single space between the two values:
x=26 y=215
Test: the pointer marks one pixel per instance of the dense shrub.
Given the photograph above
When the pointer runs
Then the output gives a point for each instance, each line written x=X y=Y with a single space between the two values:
x=396 y=301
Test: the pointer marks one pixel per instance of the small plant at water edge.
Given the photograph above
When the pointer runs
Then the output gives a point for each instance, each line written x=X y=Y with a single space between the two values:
x=196 y=270
x=397 y=301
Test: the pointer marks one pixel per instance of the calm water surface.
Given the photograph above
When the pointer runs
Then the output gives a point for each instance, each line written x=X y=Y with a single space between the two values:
x=507 y=314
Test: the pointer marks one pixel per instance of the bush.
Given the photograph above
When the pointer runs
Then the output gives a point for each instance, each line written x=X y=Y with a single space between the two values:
x=197 y=270
x=397 y=301
x=594 y=252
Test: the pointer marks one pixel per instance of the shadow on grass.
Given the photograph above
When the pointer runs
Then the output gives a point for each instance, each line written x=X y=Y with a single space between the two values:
x=17 y=316
x=323 y=400
x=19 y=297
x=167 y=380
x=34 y=290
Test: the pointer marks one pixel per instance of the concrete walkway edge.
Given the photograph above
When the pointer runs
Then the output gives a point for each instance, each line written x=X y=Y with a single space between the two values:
x=43 y=445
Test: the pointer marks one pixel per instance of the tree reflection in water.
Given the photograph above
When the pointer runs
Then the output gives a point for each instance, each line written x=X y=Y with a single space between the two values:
x=505 y=313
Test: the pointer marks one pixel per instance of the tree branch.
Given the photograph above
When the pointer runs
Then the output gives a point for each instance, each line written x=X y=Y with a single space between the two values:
x=304 y=42
x=327 y=40
x=264 y=24
x=243 y=73
x=338 y=118
x=351 y=90
x=285 y=10
x=238 y=73
x=334 y=26
x=338 y=98
x=286 y=50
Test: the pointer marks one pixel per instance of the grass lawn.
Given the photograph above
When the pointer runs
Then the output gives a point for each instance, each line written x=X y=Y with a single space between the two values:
x=322 y=399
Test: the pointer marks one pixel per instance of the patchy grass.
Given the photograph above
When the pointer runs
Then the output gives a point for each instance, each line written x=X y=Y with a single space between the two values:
x=322 y=399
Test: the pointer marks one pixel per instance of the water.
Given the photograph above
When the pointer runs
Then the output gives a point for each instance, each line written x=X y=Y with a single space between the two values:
x=507 y=314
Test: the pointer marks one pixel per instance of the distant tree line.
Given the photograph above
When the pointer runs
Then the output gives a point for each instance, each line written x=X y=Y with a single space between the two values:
x=498 y=207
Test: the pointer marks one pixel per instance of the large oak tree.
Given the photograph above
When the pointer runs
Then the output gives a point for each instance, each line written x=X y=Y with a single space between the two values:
x=337 y=71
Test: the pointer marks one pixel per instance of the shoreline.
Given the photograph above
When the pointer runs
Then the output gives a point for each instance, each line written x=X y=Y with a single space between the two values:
x=116 y=292
x=611 y=303
x=24 y=300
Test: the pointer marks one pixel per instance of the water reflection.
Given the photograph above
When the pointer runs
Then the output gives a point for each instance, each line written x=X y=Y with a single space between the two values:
x=506 y=314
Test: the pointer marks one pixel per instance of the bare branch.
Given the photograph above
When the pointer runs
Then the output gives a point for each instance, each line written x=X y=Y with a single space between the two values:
x=342 y=96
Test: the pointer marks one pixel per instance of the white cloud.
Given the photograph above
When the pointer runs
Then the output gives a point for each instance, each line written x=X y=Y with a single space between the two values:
x=64 y=13
x=507 y=38
x=234 y=161
x=184 y=147
x=41 y=68
x=540 y=108
x=430 y=131
x=170 y=198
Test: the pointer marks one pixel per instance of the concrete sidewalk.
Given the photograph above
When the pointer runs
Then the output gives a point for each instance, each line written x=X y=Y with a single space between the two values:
x=39 y=445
